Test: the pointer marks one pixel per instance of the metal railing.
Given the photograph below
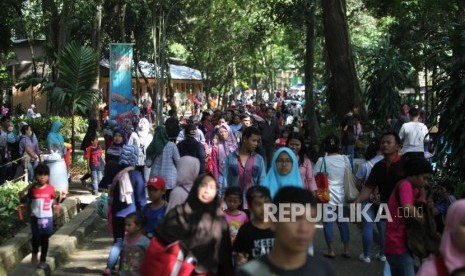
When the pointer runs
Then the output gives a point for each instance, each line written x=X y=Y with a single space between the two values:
x=16 y=162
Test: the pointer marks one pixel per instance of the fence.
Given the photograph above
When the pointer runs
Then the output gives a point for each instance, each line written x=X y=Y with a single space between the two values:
x=16 y=162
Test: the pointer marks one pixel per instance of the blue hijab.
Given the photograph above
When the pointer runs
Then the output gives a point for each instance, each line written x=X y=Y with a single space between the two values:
x=274 y=181
x=54 y=136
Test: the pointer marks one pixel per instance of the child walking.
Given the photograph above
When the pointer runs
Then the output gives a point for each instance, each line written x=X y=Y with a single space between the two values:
x=95 y=162
x=235 y=217
x=40 y=197
x=255 y=238
x=156 y=209
x=134 y=245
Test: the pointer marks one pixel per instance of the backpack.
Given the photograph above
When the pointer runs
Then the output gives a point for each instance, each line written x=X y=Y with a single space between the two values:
x=421 y=237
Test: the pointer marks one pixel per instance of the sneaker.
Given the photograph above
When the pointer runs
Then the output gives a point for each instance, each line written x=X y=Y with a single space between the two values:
x=364 y=259
x=381 y=258
x=42 y=265
x=95 y=193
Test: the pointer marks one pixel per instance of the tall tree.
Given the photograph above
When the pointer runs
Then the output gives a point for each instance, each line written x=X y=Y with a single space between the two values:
x=343 y=90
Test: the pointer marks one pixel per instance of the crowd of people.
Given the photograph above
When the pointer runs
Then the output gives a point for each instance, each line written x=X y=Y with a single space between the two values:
x=201 y=184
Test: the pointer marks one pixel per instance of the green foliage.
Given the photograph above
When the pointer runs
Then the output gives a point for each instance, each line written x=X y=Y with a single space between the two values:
x=77 y=75
x=9 y=202
x=387 y=73
x=450 y=87
x=41 y=126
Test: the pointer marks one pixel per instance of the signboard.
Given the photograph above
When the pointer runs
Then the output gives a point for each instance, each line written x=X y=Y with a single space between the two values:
x=120 y=81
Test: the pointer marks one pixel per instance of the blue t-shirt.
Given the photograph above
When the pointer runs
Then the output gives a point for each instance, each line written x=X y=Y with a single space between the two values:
x=153 y=217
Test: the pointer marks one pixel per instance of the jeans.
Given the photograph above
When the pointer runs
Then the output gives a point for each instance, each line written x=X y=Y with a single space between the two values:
x=350 y=151
x=402 y=264
x=367 y=231
x=118 y=237
x=30 y=169
x=96 y=178
x=221 y=188
x=343 y=228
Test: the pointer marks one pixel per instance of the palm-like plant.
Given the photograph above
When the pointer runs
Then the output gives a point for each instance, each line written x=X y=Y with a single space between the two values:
x=386 y=74
x=77 y=67
x=450 y=87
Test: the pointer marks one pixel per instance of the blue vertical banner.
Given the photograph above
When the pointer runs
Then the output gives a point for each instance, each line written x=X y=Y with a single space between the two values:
x=120 y=81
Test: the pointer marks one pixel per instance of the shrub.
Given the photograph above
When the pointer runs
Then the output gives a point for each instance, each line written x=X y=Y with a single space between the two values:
x=9 y=202
x=41 y=127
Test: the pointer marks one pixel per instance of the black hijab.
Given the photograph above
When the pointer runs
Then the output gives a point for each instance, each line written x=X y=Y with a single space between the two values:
x=201 y=230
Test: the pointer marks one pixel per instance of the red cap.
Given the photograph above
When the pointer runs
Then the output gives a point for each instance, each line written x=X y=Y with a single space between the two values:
x=156 y=182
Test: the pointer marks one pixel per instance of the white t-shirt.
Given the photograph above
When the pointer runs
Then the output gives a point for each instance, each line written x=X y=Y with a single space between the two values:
x=412 y=135
x=335 y=167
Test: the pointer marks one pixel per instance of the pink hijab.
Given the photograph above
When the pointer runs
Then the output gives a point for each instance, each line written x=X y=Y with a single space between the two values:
x=453 y=258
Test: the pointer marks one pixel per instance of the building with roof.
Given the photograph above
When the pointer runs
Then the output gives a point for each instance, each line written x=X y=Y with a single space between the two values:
x=30 y=54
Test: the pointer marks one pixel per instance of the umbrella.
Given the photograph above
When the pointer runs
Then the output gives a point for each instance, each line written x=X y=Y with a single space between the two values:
x=257 y=118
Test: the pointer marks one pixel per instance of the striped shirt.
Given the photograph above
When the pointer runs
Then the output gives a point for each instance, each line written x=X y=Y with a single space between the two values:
x=164 y=165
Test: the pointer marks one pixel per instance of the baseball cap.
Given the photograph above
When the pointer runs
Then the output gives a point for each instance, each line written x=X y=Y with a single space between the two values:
x=156 y=182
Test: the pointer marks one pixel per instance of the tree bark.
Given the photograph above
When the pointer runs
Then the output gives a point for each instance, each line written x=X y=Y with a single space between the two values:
x=96 y=44
x=344 y=88
x=312 y=128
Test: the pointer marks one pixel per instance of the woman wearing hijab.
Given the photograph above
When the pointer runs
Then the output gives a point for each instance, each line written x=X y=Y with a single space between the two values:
x=188 y=171
x=226 y=144
x=127 y=193
x=200 y=227
x=451 y=259
x=295 y=142
x=112 y=156
x=55 y=141
x=141 y=138
x=284 y=171
x=335 y=165
x=162 y=158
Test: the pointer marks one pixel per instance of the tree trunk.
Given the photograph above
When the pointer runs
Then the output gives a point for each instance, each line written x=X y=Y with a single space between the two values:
x=63 y=28
x=73 y=137
x=344 y=89
x=96 y=44
x=313 y=128
x=121 y=10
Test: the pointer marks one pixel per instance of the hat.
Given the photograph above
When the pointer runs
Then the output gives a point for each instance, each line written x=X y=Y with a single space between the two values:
x=190 y=130
x=23 y=123
x=156 y=182
x=417 y=166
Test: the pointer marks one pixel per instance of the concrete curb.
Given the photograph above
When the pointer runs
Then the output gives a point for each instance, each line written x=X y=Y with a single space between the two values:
x=62 y=243
x=15 y=249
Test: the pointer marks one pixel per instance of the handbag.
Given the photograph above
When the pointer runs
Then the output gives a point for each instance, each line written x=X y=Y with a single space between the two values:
x=350 y=189
x=321 y=179
x=161 y=260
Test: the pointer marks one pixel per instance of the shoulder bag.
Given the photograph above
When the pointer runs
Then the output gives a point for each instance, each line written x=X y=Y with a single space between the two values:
x=350 y=189
x=321 y=179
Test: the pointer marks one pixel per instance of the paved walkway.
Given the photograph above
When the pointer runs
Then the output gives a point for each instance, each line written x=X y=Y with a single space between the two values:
x=91 y=257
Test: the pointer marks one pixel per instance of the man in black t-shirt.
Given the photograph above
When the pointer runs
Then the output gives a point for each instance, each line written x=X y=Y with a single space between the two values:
x=289 y=255
x=386 y=173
